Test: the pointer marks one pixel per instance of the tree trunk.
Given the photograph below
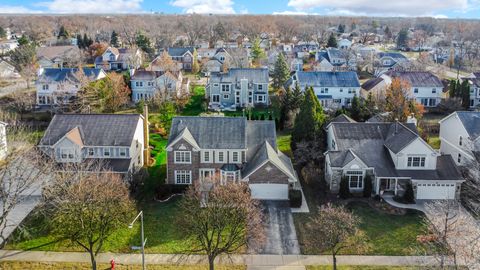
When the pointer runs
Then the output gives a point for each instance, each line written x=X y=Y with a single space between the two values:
x=211 y=264
x=334 y=261
x=93 y=260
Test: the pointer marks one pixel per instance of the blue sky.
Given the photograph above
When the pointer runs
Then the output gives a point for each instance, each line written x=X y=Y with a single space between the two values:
x=433 y=8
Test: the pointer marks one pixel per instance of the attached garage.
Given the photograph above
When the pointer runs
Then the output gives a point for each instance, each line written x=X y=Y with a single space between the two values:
x=436 y=191
x=269 y=191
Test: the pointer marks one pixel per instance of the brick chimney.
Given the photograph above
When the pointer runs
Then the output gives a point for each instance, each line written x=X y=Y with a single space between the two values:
x=146 y=137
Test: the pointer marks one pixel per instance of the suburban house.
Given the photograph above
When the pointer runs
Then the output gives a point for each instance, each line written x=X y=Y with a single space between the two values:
x=229 y=149
x=119 y=59
x=303 y=49
x=57 y=56
x=460 y=137
x=339 y=59
x=145 y=84
x=333 y=89
x=3 y=140
x=7 y=46
x=425 y=87
x=344 y=44
x=183 y=56
x=118 y=141
x=238 y=88
x=474 y=80
x=392 y=155
x=7 y=70
x=390 y=61
x=56 y=86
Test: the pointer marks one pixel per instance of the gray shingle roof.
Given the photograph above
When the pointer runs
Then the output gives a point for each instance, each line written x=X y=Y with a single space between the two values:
x=342 y=118
x=419 y=78
x=256 y=75
x=471 y=122
x=396 y=56
x=368 y=85
x=144 y=75
x=95 y=129
x=328 y=79
x=62 y=74
x=179 y=51
x=445 y=170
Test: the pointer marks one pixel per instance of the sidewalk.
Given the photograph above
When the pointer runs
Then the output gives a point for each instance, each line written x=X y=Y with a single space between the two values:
x=252 y=261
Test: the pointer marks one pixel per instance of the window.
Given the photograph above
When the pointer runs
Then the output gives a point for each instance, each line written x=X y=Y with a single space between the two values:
x=45 y=87
x=341 y=90
x=91 y=152
x=260 y=98
x=215 y=84
x=434 y=91
x=460 y=140
x=432 y=102
x=415 y=90
x=260 y=87
x=183 y=177
x=215 y=98
x=472 y=102
x=206 y=174
x=337 y=100
x=416 y=162
x=235 y=158
x=355 y=179
x=324 y=90
x=123 y=152
x=459 y=158
x=226 y=96
x=106 y=152
x=206 y=157
x=225 y=88
x=139 y=84
x=150 y=83
x=221 y=157
x=183 y=157
x=67 y=153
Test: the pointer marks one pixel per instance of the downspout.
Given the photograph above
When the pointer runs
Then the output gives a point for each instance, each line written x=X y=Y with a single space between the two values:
x=146 y=138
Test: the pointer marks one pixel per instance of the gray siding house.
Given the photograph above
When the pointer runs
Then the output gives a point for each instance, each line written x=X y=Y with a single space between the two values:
x=229 y=149
x=115 y=140
x=238 y=88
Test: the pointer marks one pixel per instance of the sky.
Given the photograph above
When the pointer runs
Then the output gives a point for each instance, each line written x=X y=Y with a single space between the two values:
x=403 y=8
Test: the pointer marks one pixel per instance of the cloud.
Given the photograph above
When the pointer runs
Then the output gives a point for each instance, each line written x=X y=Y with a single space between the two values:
x=205 y=6
x=92 y=6
x=289 y=12
x=380 y=7
x=16 y=10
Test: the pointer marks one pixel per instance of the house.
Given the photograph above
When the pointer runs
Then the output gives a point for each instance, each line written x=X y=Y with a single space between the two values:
x=376 y=87
x=57 y=56
x=3 y=140
x=238 y=88
x=229 y=149
x=183 y=56
x=8 y=46
x=392 y=156
x=146 y=84
x=212 y=65
x=117 y=141
x=119 y=59
x=344 y=44
x=474 y=80
x=341 y=59
x=333 y=89
x=296 y=64
x=390 y=61
x=206 y=53
x=303 y=50
x=57 y=86
x=7 y=70
x=460 y=137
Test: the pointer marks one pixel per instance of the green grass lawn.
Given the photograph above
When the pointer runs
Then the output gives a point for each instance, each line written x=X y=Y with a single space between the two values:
x=160 y=229
x=197 y=103
x=283 y=143
x=434 y=142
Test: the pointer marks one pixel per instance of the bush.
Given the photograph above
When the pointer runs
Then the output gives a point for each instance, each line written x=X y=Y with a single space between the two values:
x=295 y=197
x=367 y=189
x=344 y=191
x=166 y=190
x=409 y=197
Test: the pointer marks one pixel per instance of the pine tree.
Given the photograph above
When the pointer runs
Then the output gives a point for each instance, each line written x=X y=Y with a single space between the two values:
x=3 y=33
x=341 y=28
x=257 y=52
x=285 y=107
x=452 y=91
x=297 y=97
x=86 y=41
x=368 y=187
x=465 y=94
x=281 y=72
x=195 y=65
x=408 y=196
x=355 y=110
x=332 y=41
x=80 y=41
x=402 y=39
x=309 y=120
x=143 y=42
x=114 y=39
x=62 y=33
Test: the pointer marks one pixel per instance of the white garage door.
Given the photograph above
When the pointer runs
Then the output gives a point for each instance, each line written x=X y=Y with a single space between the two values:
x=435 y=191
x=269 y=191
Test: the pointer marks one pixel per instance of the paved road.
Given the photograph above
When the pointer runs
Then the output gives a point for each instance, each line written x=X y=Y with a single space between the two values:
x=280 y=230
x=252 y=261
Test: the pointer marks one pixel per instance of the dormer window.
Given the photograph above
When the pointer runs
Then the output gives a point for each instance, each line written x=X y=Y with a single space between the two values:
x=123 y=152
x=112 y=57
x=416 y=162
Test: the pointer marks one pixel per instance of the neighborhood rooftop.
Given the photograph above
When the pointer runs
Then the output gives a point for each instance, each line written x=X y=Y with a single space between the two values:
x=328 y=79
x=236 y=74
x=418 y=78
x=62 y=74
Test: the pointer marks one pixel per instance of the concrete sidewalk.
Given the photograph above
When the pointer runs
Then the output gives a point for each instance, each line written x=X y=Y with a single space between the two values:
x=262 y=262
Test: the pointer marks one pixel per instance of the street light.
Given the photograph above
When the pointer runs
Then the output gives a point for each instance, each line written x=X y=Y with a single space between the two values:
x=143 y=240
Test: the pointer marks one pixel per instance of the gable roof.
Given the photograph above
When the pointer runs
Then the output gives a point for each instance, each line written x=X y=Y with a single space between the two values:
x=63 y=74
x=327 y=79
x=395 y=55
x=342 y=118
x=471 y=123
x=52 y=52
x=75 y=136
x=179 y=51
x=94 y=129
x=144 y=75
x=370 y=84
x=418 y=78
x=257 y=75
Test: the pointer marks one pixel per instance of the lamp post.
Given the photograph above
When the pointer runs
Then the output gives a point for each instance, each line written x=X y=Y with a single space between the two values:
x=143 y=240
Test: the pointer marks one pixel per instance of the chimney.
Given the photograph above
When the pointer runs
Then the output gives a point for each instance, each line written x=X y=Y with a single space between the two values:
x=411 y=119
x=396 y=125
x=146 y=137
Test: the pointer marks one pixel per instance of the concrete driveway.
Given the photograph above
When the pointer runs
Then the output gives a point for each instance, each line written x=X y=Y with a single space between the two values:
x=280 y=230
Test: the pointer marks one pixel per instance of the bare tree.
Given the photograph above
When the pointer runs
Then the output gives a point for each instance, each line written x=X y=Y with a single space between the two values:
x=21 y=102
x=221 y=219
x=86 y=207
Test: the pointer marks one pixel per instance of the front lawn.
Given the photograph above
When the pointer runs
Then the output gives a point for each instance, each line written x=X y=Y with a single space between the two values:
x=283 y=143
x=197 y=103
x=14 y=265
x=160 y=229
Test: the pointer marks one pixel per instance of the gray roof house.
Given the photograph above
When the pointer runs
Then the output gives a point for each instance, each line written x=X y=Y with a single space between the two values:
x=116 y=141
x=333 y=89
x=390 y=154
x=390 y=61
x=119 y=59
x=229 y=149
x=238 y=88
x=57 y=56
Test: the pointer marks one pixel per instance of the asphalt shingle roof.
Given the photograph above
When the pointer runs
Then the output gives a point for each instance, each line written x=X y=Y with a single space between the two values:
x=95 y=129
x=419 y=78
x=257 y=75
x=62 y=74
x=471 y=122
x=328 y=79
x=179 y=51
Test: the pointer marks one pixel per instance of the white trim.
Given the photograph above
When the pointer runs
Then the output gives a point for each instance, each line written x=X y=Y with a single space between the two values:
x=185 y=173
x=225 y=156
x=186 y=159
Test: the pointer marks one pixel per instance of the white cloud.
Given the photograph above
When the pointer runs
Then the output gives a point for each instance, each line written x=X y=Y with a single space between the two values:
x=288 y=12
x=205 y=6
x=380 y=7
x=92 y=6
x=16 y=10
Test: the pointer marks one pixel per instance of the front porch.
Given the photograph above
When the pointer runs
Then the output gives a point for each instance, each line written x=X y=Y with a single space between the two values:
x=391 y=186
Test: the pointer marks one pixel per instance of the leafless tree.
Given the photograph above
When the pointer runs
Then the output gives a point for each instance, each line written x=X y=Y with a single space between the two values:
x=220 y=218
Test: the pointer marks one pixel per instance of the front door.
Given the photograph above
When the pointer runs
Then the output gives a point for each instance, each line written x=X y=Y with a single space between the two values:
x=387 y=184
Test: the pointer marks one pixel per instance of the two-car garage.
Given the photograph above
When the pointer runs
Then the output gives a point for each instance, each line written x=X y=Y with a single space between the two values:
x=269 y=191
x=435 y=191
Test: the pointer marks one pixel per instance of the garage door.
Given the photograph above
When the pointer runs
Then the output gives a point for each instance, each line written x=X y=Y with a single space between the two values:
x=435 y=191
x=269 y=191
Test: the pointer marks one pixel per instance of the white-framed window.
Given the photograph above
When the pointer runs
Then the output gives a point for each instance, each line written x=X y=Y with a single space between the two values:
x=206 y=156
x=123 y=152
x=221 y=157
x=355 y=179
x=260 y=87
x=416 y=161
x=341 y=90
x=235 y=157
x=67 y=153
x=215 y=84
x=106 y=152
x=215 y=98
x=434 y=90
x=415 y=90
x=260 y=98
x=226 y=96
x=206 y=174
x=183 y=157
x=139 y=84
x=225 y=88
x=91 y=152
x=45 y=87
x=150 y=83
x=183 y=177
x=460 y=140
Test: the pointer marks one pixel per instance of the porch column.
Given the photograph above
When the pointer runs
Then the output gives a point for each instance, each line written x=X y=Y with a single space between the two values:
x=396 y=182
x=377 y=183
